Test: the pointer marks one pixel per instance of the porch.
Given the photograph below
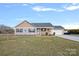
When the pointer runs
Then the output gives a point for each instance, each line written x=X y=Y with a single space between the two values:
x=44 y=31
x=33 y=31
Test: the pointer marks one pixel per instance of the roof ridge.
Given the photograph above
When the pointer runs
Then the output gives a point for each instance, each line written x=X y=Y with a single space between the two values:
x=50 y=23
x=42 y=24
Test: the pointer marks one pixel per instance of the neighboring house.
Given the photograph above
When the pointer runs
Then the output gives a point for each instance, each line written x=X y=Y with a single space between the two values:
x=26 y=28
x=58 y=30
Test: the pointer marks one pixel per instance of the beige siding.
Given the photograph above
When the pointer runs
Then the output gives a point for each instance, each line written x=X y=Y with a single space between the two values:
x=24 y=25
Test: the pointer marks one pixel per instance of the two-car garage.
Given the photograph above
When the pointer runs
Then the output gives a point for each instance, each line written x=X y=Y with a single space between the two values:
x=58 y=30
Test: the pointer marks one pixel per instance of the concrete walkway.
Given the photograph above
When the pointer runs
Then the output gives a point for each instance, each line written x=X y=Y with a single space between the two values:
x=70 y=37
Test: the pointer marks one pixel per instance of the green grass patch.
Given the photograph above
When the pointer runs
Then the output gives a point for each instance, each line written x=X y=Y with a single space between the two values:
x=37 y=46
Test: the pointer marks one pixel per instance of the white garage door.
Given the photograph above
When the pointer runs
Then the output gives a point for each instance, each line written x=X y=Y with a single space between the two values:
x=58 y=32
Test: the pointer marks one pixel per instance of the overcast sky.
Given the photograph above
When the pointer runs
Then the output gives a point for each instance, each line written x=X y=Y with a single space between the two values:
x=64 y=14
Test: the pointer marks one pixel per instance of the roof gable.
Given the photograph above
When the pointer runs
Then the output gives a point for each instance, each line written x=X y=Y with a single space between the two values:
x=24 y=24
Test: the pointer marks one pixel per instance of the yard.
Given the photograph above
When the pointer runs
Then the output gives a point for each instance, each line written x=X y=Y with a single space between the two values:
x=37 y=46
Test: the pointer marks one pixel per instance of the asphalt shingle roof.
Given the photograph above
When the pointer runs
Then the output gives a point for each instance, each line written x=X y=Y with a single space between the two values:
x=42 y=24
x=58 y=27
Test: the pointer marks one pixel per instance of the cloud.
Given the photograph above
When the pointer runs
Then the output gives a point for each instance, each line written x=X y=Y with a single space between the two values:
x=72 y=7
x=42 y=8
x=25 y=4
x=14 y=4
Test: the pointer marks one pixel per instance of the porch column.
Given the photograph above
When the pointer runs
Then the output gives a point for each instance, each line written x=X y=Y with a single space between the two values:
x=14 y=31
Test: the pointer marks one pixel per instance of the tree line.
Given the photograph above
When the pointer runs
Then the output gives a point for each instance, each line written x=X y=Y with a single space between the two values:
x=6 y=29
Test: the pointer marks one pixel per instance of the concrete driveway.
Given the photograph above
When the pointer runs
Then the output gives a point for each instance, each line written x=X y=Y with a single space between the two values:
x=70 y=37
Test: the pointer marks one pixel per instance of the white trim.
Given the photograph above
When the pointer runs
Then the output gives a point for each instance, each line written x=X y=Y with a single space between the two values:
x=30 y=33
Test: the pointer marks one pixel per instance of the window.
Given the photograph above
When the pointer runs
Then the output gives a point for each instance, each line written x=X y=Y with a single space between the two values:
x=43 y=29
x=38 y=29
x=19 y=30
x=25 y=30
x=31 y=30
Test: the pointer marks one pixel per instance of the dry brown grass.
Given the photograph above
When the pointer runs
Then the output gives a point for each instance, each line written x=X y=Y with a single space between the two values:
x=37 y=46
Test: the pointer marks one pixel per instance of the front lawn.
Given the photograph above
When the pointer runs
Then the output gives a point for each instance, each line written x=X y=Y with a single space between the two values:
x=37 y=46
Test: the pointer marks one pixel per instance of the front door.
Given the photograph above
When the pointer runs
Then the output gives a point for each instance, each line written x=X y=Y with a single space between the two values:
x=46 y=33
